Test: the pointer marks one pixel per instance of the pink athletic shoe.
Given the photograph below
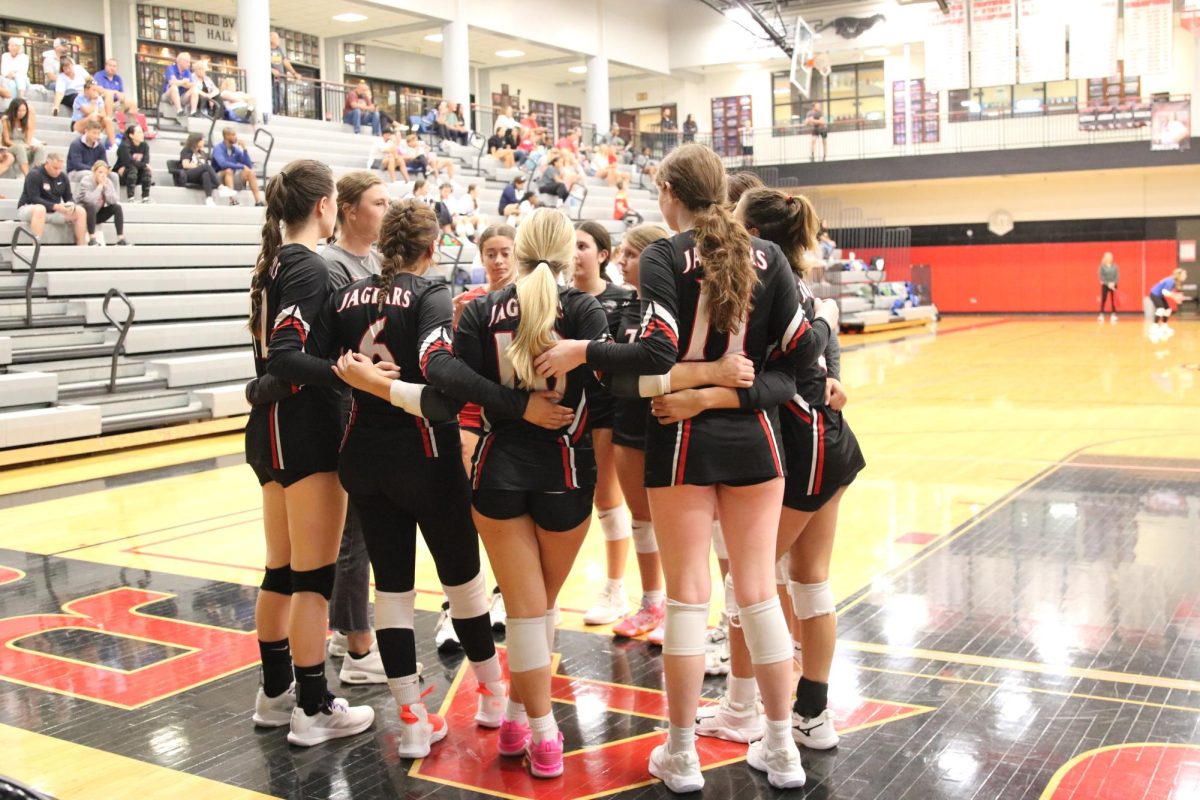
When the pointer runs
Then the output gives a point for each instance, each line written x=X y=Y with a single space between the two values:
x=545 y=759
x=644 y=621
x=513 y=738
x=659 y=634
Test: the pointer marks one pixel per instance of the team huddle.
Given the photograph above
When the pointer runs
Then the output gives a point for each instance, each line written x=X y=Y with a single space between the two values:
x=703 y=393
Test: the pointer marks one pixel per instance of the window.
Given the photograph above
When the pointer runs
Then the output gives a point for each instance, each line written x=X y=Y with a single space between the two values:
x=1022 y=100
x=852 y=96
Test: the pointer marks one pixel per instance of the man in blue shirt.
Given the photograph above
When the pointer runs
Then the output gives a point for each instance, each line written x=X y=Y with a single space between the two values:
x=510 y=195
x=179 y=86
x=113 y=87
x=1165 y=296
x=86 y=150
x=230 y=160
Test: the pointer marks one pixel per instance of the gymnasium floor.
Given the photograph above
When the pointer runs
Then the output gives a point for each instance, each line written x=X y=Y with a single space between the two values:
x=1016 y=571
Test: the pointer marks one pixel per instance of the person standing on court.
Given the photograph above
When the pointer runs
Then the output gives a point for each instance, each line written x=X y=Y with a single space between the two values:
x=1109 y=273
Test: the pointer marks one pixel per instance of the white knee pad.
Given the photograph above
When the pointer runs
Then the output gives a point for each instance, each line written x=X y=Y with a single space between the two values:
x=643 y=537
x=614 y=522
x=527 y=644
x=767 y=635
x=811 y=599
x=719 y=541
x=781 y=570
x=731 y=606
x=686 y=625
x=550 y=621
x=468 y=600
x=394 y=609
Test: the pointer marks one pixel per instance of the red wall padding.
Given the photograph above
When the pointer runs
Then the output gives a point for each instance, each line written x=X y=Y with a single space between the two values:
x=1038 y=277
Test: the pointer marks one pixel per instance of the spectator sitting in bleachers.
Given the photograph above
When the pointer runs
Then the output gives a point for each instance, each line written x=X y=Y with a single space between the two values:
x=499 y=147
x=7 y=159
x=510 y=196
x=232 y=162
x=239 y=106
x=133 y=162
x=359 y=109
x=17 y=134
x=385 y=154
x=113 y=87
x=14 y=67
x=413 y=159
x=90 y=106
x=554 y=181
x=52 y=62
x=69 y=84
x=455 y=123
x=209 y=102
x=529 y=204
x=86 y=150
x=6 y=97
x=604 y=165
x=194 y=162
x=420 y=193
x=46 y=197
x=432 y=162
x=530 y=122
x=569 y=146
x=646 y=165
x=506 y=120
x=445 y=207
x=467 y=220
x=180 y=86
x=621 y=201
x=100 y=202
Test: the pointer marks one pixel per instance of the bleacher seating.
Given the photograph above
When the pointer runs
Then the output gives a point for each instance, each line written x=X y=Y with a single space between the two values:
x=186 y=354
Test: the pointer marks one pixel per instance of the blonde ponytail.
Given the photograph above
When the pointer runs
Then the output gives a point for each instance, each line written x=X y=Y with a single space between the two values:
x=544 y=249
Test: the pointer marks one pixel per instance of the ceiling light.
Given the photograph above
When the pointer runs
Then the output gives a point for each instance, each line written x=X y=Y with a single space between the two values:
x=578 y=69
x=510 y=53
x=433 y=37
x=878 y=51
x=349 y=17
x=748 y=67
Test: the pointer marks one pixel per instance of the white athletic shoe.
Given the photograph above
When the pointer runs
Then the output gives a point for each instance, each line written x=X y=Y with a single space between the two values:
x=444 y=636
x=1168 y=332
x=610 y=606
x=1113 y=318
x=225 y=191
x=499 y=615
x=368 y=669
x=729 y=722
x=679 y=772
x=816 y=733
x=419 y=731
x=208 y=201
x=492 y=702
x=274 y=712
x=338 y=644
x=716 y=652
x=782 y=766
x=1100 y=318
x=334 y=721
x=1155 y=334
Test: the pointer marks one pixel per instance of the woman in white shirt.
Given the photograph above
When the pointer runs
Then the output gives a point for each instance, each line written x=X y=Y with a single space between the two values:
x=468 y=220
x=14 y=67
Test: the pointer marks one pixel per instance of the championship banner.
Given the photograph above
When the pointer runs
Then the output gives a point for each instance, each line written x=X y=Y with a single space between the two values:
x=946 y=47
x=1043 y=37
x=1171 y=125
x=1093 y=37
x=1148 y=26
x=993 y=43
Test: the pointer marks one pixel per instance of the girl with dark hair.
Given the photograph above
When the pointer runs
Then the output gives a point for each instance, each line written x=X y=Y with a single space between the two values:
x=710 y=291
x=133 y=162
x=292 y=445
x=17 y=134
x=197 y=169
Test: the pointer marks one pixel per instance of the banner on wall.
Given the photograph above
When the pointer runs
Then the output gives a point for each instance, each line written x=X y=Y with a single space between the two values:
x=993 y=42
x=1093 y=38
x=1148 y=25
x=946 y=46
x=1171 y=125
x=1042 y=32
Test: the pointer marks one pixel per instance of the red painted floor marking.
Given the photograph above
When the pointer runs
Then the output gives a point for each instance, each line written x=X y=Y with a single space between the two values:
x=915 y=537
x=9 y=574
x=1147 y=771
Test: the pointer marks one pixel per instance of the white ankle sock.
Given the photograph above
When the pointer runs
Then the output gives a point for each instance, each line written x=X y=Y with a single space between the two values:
x=617 y=585
x=405 y=690
x=682 y=740
x=742 y=691
x=546 y=728
x=779 y=734
x=653 y=598
x=515 y=712
x=487 y=671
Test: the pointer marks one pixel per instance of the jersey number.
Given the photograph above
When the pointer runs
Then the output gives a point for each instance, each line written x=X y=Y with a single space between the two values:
x=508 y=374
x=371 y=344
x=700 y=333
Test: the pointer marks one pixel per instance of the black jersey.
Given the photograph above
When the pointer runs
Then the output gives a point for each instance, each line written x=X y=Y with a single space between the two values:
x=299 y=433
x=514 y=454
x=412 y=331
x=630 y=413
x=615 y=300
x=810 y=377
x=726 y=445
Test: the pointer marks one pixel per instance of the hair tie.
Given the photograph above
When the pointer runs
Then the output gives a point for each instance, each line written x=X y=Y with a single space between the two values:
x=791 y=200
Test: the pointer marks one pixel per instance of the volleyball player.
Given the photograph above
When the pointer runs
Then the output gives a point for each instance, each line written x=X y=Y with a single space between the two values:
x=403 y=471
x=292 y=447
x=711 y=290
x=533 y=488
x=1163 y=295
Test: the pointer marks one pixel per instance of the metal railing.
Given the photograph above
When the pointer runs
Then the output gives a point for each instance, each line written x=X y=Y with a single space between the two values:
x=152 y=78
x=30 y=264
x=122 y=331
x=259 y=133
x=34 y=46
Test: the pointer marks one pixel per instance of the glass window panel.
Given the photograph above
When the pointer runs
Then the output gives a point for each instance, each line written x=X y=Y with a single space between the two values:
x=1062 y=96
x=870 y=81
x=842 y=83
x=996 y=100
x=872 y=109
x=1029 y=98
x=842 y=111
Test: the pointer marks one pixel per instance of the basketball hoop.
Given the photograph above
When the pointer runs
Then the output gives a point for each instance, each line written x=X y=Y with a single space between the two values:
x=800 y=75
x=823 y=64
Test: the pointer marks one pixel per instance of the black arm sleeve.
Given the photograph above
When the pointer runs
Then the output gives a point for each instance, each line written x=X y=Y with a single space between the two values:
x=266 y=390
x=657 y=348
x=833 y=356
x=461 y=377
x=304 y=295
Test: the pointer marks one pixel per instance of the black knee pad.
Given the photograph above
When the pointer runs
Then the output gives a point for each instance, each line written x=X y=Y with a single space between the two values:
x=278 y=580
x=319 y=580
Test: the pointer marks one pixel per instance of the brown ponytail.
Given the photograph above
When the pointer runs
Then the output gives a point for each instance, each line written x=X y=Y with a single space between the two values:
x=696 y=177
x=408 y=230
x=738 y=183
x=789 y=221
x=291 y=195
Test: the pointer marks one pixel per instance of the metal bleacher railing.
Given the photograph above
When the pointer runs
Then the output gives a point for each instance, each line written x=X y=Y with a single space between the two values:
x=122 y=331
